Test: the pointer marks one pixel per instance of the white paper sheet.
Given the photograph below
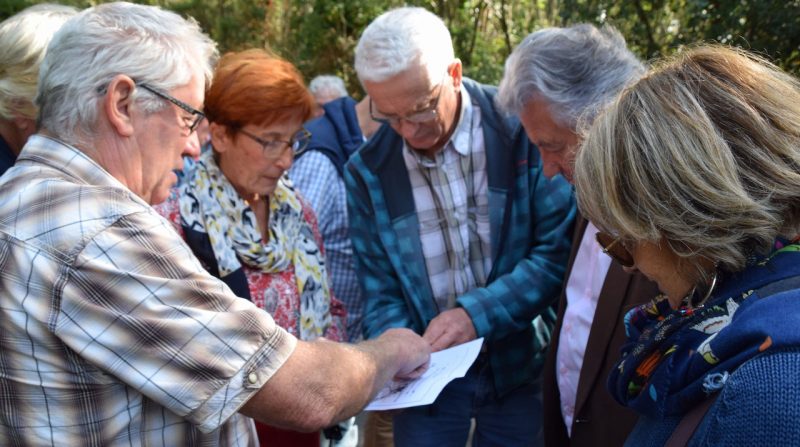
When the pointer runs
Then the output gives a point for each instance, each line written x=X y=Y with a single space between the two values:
x=445 y=366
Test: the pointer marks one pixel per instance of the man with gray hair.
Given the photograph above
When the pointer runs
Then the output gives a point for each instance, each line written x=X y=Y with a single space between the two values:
x=326 y=88
x=556 y=80
x=113 y=332
x=456 y=232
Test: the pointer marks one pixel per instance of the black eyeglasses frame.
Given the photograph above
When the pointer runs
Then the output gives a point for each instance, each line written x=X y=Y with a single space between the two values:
x=198 y=115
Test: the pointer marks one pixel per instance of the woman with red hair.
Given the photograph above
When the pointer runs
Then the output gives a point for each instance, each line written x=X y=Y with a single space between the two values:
x=239 y=212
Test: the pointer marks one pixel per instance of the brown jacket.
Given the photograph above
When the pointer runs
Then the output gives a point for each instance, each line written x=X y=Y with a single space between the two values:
x=599 y=420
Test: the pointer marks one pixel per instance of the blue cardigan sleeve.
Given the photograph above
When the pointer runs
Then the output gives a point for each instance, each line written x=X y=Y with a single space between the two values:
x=534 y=248
x=384 y=305
x=757 y=405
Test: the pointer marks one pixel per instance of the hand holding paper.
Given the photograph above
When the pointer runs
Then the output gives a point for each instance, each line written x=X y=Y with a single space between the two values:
x=450 y=328
x=445 y=366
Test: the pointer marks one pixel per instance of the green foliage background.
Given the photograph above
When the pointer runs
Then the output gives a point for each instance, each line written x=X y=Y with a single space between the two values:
x=319 y=36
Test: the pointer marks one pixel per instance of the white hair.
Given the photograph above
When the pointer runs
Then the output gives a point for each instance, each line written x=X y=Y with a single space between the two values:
x=146 y=43
x=575 y=70
x=400 y=39
x=328 y=85
x=23 y=41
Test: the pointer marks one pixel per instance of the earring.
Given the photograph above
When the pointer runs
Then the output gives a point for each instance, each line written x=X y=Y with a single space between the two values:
x=689 y=305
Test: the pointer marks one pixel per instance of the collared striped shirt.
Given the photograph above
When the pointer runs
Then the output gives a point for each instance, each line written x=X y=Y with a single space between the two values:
x=451 y=198
x=111 y=332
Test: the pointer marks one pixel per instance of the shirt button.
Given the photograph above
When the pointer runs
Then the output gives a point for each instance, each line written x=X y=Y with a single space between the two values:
x=252 y=378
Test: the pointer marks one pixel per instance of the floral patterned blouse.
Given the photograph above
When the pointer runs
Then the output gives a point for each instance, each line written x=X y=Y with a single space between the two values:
x=274 y=292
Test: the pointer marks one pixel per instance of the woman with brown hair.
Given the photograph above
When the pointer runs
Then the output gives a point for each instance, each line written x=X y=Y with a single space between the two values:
x=693 y=178
x=240 y=213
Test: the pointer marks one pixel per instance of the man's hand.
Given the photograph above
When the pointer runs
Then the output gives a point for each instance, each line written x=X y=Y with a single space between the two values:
x=412 y=352
x=450 y=328
x=323 y=382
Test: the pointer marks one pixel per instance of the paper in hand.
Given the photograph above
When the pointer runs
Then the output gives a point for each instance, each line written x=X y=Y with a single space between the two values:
x=445 y=365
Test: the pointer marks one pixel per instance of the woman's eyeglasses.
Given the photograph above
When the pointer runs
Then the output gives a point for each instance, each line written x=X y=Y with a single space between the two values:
x=274 y=148
x=614 y=248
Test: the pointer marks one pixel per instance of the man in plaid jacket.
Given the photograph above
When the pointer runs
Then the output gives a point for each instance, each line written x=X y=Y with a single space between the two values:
x=456 y=232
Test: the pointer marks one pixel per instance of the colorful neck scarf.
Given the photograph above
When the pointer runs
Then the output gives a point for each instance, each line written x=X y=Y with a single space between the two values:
x=675 y=358
x=209 y=204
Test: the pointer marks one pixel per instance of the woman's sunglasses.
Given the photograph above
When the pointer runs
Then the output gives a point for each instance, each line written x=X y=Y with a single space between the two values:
x=613 y=247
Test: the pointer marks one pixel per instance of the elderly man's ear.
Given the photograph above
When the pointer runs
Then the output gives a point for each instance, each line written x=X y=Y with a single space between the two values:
x=455 y=72
x=117 y=104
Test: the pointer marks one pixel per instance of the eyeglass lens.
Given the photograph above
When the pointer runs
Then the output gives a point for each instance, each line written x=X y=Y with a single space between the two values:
x=418 y=117
x=275 y=148
x=613 y=247
x=197 y=116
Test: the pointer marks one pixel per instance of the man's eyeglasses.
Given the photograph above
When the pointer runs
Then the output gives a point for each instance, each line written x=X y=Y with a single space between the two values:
x=614 y=248
x=197 y=116
x=422 y=116
x=274 y=148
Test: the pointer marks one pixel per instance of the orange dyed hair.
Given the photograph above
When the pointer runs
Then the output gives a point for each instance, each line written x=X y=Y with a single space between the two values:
x=255 y=87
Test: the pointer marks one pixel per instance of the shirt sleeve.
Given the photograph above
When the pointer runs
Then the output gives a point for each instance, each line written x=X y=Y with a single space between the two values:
x=139 y=305
x=313 y=174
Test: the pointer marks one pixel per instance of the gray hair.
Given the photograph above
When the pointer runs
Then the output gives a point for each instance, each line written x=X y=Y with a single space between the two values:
x=400 y=39
x=328 y=85
x=146 y=43
x=576 y=70
x=702 y=154
x=23 y=41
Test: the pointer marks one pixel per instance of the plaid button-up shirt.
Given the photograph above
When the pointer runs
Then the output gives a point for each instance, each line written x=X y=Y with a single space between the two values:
x=111 y=333
x=451 y=198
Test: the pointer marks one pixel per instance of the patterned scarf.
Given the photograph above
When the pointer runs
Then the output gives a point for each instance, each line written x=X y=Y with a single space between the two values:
x=210 y=204
x=674 y=358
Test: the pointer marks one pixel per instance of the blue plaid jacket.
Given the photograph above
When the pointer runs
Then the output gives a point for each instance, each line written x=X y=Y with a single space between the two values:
x=530 y=219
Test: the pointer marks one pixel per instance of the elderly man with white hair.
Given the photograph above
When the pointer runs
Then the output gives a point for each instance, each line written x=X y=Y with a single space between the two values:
x=113 y=332
x=23 y=41
x=326 y=88
x=556 y=80
x=456 y=231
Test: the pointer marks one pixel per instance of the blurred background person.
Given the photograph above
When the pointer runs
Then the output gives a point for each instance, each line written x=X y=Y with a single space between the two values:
x=23 y=41
x=693 y=179
x=325 y=89
x=555 y=79
x=242 y=217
